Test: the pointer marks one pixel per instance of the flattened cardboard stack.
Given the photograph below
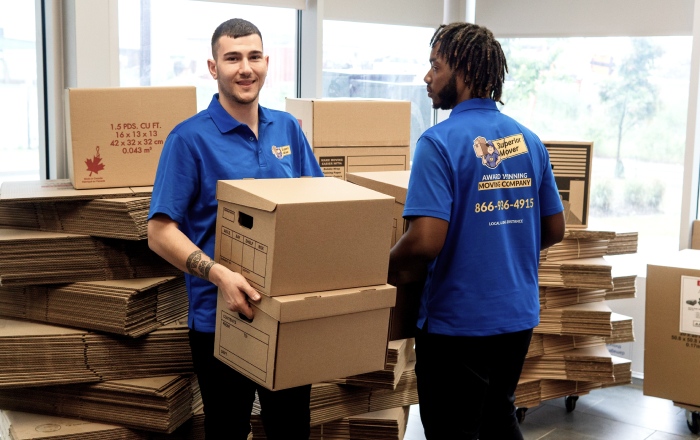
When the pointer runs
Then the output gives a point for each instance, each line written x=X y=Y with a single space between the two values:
x=54 y=205
x=624 y=243
x=38 y=354
x=583 y=319
x=36 y=257
x=127 y=307
x=554 y=297
x=332 y=402
x=399 y=354
x=624 y=286
x=594 y=273
x=17 y=425
x=579 y=243
x=592 y=364
x=385 y=425
x=124 y=306
x=34 y=354
x=622 y=329
x=575 y=323
x=157 y=404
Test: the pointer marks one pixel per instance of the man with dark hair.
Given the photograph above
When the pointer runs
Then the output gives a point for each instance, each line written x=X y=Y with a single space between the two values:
x=234 y=138
x=477 y=225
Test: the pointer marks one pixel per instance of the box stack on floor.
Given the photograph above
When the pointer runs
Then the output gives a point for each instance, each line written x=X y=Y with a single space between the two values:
x=92 y=323
x=672 y=335
x=348 y=135
x=568 y=355
x=318 y=252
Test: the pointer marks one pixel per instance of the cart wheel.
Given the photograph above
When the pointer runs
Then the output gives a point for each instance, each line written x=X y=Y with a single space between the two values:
x=520 y=414
x=693 y=420
x=570 y=403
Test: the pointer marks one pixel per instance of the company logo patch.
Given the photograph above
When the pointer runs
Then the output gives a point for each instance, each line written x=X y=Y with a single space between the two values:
x=492 y=153
x=280 y=152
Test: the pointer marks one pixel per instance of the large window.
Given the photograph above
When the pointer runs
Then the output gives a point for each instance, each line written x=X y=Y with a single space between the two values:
x=19 y=148
x=629 y=97
x=379 y=61
x=168 y=42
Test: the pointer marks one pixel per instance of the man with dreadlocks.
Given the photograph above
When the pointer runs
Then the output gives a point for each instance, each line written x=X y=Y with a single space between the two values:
x=477 y=226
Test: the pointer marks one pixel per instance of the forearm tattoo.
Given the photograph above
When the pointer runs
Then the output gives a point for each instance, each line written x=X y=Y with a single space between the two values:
x=198 y=266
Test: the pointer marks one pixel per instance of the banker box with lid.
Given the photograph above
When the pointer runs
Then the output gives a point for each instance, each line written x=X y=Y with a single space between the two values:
x=307 y=338
x=297 y=235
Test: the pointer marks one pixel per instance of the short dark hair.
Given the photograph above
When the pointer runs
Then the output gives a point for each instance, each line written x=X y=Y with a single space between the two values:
x=474 y=51
x=234 y=28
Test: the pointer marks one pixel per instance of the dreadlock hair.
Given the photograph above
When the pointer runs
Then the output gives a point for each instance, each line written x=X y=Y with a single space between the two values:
x=474 y=51
x=234 y=28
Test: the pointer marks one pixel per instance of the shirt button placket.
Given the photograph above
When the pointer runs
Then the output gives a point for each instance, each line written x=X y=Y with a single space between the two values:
x=261 y=159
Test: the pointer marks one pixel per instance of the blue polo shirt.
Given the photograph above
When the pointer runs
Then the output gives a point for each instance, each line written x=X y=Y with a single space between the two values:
x=212 y=146
x=491 y=179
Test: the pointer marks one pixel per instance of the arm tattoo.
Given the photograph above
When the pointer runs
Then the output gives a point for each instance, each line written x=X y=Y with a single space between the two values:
x=197 y=266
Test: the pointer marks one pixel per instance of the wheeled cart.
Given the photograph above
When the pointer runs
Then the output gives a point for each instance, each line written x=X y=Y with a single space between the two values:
x=692 y=416
x=569 y=403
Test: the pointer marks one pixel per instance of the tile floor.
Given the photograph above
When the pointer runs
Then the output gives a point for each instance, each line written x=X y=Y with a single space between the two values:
x=616 y=413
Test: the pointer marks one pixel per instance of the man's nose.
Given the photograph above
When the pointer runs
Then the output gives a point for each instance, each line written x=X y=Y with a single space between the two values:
x=245 y=66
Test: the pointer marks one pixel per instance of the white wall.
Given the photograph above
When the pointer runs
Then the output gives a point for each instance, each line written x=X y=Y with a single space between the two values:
x=532 y=18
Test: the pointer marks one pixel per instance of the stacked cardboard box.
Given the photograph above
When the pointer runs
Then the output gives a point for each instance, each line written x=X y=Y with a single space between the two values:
x=355 y=135
x=115 y=134
x=672 y=338
x=317 y=249
x=395 y=184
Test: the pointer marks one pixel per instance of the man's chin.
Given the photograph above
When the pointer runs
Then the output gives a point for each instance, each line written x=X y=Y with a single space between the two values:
x=245 y=99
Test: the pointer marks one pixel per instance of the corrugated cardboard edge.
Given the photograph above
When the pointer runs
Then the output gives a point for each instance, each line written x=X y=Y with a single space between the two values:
x=386 y=182
x=300 y=307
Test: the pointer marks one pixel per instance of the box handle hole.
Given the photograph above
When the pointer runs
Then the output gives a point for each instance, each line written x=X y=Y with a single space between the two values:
x=245 y=220
x=244 y=318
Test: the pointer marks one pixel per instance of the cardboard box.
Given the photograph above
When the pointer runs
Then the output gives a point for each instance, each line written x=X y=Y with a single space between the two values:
x=395 y=183
x=392 y=183
x=571 y=163
x=115 y=135
x=695 y=237
x=354 y=135
x=672 y=328
x=307 y=338
x=339 y=162
x=289 y=236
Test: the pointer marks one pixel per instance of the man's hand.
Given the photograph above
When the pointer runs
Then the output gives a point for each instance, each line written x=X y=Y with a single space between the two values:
x=166 y=239
x=234 y=289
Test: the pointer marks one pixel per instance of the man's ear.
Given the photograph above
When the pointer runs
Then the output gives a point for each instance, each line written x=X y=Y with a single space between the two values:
x=211 y=65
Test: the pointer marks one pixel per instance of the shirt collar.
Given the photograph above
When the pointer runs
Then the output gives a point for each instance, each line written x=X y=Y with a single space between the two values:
x=225 y=122
x=475 y=104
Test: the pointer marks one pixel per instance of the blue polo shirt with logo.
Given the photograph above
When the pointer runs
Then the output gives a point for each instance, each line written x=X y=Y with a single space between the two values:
x=491 y=179
x=212 y=146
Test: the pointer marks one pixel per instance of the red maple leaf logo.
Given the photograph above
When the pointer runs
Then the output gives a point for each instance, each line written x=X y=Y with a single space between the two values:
x=95 y=164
